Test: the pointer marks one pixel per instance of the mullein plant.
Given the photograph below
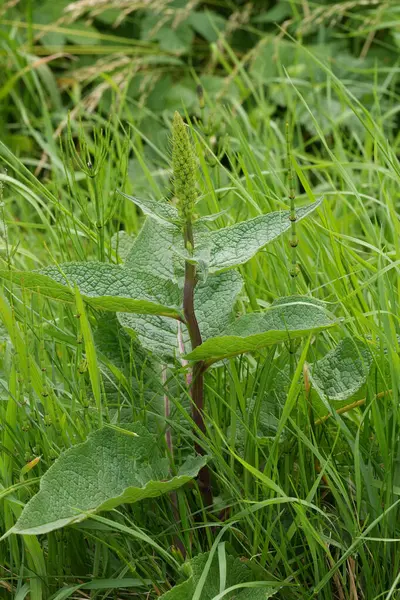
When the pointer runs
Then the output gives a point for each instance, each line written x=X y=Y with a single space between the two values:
x=176 y=291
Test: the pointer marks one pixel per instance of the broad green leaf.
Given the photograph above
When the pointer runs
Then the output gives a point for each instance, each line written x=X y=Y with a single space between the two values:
x=103 y=286
x=214 y=300
x=113 y=467
x=157 y=334
x=159 y=210
x=237 y=244
x=287 y=319
x=159 y=248
x=343 y=371
x=155 y=250
x=280 y=11
x=175 y=39
x=237 y=573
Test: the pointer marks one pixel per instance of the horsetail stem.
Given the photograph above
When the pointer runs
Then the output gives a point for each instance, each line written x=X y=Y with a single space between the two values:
x=294 y=242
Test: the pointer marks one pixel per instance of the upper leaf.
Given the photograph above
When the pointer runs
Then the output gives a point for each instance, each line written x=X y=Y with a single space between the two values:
x=343 y=371
x=112 y=467
x=213 y=300
x=159 y=248
x=236 y=245
x=286 y=319
x=262 y=416
x=237 y=573
x=154 y=250
x=103 y=286
x=159 y=210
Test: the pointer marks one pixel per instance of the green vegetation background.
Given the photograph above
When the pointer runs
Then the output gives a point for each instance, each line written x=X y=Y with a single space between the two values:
x=330 y=70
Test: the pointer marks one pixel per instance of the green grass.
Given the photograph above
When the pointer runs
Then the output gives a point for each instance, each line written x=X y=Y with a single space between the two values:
x=309 y=502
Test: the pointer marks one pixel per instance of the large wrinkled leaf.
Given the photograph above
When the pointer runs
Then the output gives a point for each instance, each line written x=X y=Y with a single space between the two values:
x=157 y=334
x=237 y=573
x=111 y=468
x=155 y=250
x=214 y=300
x=121 y=242
x=236 y=245
x=343 y=371
x=286 y=319
x=103 y=286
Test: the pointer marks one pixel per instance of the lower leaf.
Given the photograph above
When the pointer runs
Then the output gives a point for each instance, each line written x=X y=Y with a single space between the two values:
x=114 y=466
x=287 y=319
x=343 y=371
x=103 y=286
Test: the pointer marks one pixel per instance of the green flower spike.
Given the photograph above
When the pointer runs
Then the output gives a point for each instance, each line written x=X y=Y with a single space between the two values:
x=184 y=169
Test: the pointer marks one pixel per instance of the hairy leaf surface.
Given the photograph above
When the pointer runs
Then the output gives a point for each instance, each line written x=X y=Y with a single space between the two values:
x=343 y=371
x=157 y=334
x=237 y=244
x=214 y=300
x=111 y=468
x=159 y=249
x=155 y=250
x=103 y=286
x=121 y=242
x=289 y=318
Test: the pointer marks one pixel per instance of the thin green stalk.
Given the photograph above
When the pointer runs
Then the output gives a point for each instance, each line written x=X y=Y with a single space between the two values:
x=294 y=242
x=294 y=270
x=99 y=218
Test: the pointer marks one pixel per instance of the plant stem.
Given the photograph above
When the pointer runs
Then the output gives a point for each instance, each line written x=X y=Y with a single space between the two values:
x=184 y=167
x=184 y=362
x=100 y=218
x=197 y=387
x=294 y=242
x=294 y=270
